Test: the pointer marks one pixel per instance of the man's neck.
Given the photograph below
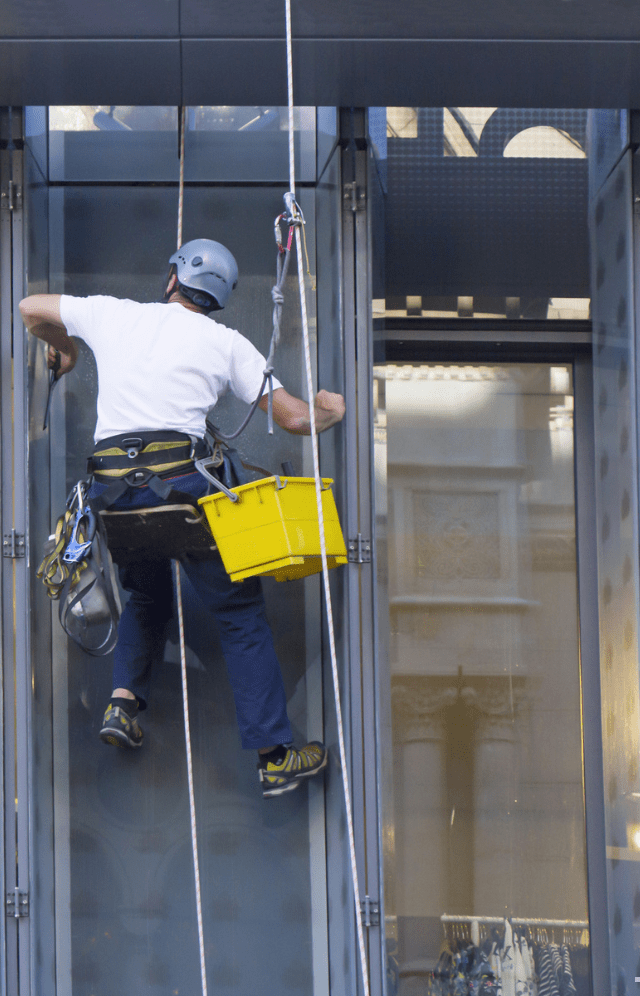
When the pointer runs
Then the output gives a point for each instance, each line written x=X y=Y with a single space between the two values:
x=177 y=298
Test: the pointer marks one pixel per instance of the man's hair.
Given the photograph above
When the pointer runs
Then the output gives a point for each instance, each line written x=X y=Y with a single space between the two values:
x=203 y=301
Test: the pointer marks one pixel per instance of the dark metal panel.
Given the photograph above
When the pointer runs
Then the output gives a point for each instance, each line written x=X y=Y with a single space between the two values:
x=89 y=72
x=368 y=72
x=97 y=19
x=413 y=18
x=608 y=136
x=342 y=72
x=448 y=231
x=235 y=71
x=614 y=249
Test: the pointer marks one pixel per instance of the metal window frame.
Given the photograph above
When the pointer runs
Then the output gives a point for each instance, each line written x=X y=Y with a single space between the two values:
x=554 y=348
x=15 y=568
x=358 y=360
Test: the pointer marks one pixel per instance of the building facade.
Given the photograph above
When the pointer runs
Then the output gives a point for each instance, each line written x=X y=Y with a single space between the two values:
x=471 y=284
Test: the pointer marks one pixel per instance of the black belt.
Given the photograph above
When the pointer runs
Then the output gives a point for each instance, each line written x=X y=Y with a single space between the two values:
x=163 y=452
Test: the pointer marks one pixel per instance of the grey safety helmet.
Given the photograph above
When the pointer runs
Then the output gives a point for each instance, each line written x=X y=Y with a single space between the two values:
x=207 y=273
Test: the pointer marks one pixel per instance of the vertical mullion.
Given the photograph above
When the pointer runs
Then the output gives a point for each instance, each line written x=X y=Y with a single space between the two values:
x=590 y=675
x=358 y=391
x=351 y=691
x=369 y=743
x=20 y=577
x=9 y=975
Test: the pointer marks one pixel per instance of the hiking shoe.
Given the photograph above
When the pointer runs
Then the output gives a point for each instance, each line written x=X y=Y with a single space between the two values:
x=296 y=765
x=119 y=729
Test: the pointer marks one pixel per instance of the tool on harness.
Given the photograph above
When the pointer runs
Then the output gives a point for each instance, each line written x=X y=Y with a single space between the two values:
x=77 y=570
x=53 y=380
x=84 y=520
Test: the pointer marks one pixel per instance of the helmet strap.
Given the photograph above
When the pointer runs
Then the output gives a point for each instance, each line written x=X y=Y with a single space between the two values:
x=199 y=298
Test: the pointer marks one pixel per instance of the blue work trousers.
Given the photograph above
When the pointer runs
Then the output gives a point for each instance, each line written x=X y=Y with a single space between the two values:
x=238 y=606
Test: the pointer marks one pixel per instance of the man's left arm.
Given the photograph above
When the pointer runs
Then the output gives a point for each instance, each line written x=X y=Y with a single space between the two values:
x=41 y=315
x=292 y=414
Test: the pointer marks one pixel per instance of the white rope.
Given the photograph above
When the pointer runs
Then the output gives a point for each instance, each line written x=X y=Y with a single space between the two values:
x=292 y=158
x=182 y=112
x=192 y=801
x=323 y=547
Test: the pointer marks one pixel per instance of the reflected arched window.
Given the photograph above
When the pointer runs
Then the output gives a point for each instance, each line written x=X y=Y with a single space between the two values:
x=544 y=142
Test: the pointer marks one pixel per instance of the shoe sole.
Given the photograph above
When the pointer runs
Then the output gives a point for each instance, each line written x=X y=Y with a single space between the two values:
x=116 y=739
x=279 y=790
x=299 y=775
x=314 y=771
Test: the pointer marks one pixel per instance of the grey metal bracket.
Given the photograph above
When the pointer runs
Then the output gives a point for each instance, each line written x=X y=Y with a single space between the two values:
x=17 y=904
x=13 y=546
x=201 y=467
x=370 y=912
x=11 y=198
x=359 y=550
x=354 y=196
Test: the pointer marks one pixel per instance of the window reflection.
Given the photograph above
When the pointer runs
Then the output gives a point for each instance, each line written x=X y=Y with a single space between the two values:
x=103 y=117
x=471 y=195
x=222 y=143
x=476 y=546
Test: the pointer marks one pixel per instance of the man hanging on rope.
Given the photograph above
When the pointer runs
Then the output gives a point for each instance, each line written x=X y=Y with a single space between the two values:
x=161 y=368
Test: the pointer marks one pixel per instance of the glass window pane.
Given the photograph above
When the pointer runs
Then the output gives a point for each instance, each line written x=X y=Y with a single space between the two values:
x=479 y=641
x=123 y=852
x=101 y=142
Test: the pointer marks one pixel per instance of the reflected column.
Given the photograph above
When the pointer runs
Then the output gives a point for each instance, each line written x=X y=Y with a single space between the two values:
x=496 y=702
x=420 y=795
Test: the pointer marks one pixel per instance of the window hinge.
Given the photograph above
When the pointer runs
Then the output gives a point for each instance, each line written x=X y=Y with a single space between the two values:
x=11 y=198
x=354 y=196
x=17 y=903
x=13 y=546
x=370 y=912
x=359 y=550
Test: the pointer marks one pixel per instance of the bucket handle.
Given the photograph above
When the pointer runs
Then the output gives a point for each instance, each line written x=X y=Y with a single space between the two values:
x=200 y=467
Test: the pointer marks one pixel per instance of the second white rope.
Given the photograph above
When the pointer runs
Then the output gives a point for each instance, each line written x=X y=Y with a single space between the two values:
x=192 y=801
x=182 y=121
x=323 y=548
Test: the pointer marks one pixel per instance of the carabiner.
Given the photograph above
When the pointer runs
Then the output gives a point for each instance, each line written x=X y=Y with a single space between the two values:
x=76 y=551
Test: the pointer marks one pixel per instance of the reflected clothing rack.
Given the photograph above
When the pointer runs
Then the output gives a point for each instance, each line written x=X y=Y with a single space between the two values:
x=517 y=921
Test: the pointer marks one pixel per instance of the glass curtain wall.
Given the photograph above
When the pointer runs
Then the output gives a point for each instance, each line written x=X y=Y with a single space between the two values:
x=476 y=544
x=483 y=820
x=124 y=896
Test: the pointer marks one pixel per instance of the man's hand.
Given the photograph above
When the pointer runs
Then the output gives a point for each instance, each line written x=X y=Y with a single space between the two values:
x=292 y=413
x=59 y=363
x=328 y=408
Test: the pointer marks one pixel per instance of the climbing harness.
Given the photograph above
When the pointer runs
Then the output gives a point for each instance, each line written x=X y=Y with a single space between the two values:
x=77 y=570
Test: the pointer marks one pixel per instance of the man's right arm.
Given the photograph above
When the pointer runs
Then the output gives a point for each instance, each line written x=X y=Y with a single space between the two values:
x=41 y=315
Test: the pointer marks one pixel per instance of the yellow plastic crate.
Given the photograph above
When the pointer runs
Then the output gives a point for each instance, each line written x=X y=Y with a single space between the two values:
x=273 y=529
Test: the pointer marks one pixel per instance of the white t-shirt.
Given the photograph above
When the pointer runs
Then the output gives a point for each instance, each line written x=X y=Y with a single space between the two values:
x=160 y=366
